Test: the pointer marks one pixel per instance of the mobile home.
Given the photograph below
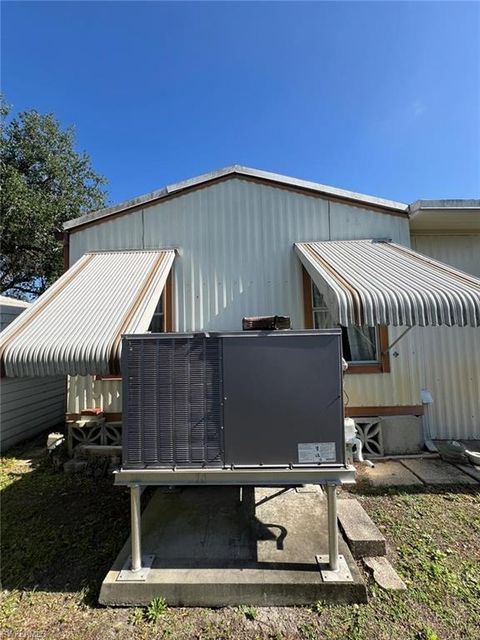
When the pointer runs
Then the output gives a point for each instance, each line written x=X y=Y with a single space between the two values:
x=401 y=280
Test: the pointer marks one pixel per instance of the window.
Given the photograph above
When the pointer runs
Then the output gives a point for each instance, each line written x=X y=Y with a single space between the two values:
x=364 y=348
x=157 y=324
x=359 y=343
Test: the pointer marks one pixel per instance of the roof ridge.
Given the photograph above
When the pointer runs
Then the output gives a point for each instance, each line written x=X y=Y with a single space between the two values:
x=240 y=170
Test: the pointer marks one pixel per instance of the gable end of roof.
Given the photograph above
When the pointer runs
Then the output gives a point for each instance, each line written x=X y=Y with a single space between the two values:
x=237 y=171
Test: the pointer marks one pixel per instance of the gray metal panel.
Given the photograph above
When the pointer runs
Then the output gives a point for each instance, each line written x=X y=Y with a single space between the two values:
x=280 y=390
x=172 y=401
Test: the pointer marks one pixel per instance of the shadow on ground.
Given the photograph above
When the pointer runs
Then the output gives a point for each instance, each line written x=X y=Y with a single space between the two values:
x=59 y=532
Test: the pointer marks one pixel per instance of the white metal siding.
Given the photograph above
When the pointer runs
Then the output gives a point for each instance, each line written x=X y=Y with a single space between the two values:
x=237 y=258
x=87 y=392
x=449 y=362
x=10 y=308
x=28 y=405
x=6 y=317
x=236 y=247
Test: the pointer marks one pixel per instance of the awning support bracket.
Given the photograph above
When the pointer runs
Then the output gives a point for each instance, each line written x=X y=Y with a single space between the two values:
x=390 y=346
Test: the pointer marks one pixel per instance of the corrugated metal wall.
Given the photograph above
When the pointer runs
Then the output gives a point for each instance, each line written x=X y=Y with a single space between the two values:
x=449 y=362
x=86 y=392
x=7 y=315
x=237 y=258
x=28 y=405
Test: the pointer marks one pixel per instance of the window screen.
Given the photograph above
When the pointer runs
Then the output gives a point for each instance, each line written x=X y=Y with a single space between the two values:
x=360 y=344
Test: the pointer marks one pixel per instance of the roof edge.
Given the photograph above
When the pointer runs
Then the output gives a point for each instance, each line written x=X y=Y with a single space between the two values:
x=8 y=301
x=241 y=171
x=455 y=203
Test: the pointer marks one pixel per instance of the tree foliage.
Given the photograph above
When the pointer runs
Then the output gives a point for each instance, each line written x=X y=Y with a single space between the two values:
x=44 y=182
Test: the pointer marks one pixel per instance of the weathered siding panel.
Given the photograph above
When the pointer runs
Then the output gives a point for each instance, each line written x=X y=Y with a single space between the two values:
x=28 y=405
x=87 y=392
x=237 y=258
x=6 y=317
x=236 y=247
x=449 y=362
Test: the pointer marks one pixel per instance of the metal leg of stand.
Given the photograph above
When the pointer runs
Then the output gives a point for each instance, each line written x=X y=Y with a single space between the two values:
x=136 y=528
x=332 y=528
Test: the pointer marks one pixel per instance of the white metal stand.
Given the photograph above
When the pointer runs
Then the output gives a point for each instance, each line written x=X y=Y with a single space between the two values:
x=332 y=527
x=136 y=567
x=136 y=536
x=333 y=567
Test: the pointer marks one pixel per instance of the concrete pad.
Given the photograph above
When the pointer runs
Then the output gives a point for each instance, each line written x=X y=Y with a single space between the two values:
x=226 y=546
x=361 y=534
x=390 y=474
x=437 y=472
x=470 y=470
x=384 y=574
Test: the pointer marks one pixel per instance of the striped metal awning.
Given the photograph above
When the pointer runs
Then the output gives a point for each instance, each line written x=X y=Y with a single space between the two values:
x=373 y=282
x=75 y=327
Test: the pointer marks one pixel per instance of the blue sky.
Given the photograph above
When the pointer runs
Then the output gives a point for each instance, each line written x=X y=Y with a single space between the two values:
x=382 y=98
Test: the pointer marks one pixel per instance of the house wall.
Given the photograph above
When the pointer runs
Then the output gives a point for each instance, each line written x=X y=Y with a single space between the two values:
x=236 y=259
x=449 y=357
x=7 y=315
x=28 y=405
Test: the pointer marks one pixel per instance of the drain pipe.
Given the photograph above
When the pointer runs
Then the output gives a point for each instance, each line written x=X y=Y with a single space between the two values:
x=427 y=400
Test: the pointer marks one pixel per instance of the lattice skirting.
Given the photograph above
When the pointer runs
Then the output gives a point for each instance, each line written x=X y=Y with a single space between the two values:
x=370 y=433
x=106 y=433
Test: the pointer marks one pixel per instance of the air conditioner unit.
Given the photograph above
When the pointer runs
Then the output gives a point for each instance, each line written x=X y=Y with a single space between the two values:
x=249 y=399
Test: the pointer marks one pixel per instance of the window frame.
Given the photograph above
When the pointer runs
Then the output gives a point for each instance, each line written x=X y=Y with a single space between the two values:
x=382 y=365
x=166 y=297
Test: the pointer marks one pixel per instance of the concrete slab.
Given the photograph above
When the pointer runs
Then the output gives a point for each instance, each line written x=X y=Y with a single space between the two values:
x=470 y=470
x=437 y=472
x=384 y=574
x=390 y=474
x=221 y=546
x=361 y=533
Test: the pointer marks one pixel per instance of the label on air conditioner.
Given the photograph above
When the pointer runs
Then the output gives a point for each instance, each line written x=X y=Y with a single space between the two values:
x=316 y=452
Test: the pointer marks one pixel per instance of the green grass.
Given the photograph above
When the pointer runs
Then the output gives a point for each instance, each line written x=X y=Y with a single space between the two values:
x=156 y=610
x=61 y=533
x=248 y=611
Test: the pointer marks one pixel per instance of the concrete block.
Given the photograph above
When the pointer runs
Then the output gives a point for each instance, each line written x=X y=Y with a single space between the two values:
x=437 y=472
x=75 y=466
x=390 y=474
x=402 y=435
x=384 y=574
x=361 y=533
x=98 y=450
